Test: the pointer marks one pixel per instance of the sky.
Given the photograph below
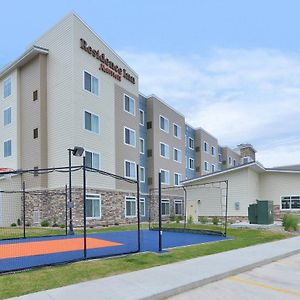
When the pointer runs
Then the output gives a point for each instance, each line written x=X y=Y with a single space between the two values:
x=230 y=66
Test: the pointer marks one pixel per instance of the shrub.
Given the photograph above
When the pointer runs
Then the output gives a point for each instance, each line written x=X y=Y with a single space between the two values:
x=178 y=219
x=290 y=222
x=172 y=218
x=190 y=220
x=215 y=220
x=19 y=222
x=203 y=220
x=45 y=223
x=62 y=226
x=55 y=225
x=13 y=225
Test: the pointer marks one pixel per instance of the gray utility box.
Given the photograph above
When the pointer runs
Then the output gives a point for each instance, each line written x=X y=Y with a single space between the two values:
x=261 y=212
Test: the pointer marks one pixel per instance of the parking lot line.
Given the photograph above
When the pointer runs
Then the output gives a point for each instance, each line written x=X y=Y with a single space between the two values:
x=265 y=286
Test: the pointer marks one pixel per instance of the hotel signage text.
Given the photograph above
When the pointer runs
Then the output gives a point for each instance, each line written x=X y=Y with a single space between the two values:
x=107 y=66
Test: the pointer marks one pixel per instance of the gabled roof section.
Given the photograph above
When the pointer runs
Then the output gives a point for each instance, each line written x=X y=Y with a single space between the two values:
x=255 y=165
x=23 y=59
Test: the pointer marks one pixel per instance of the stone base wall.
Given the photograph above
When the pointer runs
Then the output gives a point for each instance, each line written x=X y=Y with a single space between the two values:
x=51 y=206
x=154 y=207
x=45 y=206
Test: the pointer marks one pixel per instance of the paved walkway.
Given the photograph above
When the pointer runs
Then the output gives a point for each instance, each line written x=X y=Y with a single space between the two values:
x=164 y=281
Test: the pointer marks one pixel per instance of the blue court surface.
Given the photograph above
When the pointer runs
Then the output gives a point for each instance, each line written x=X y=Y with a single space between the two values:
x=33 y=252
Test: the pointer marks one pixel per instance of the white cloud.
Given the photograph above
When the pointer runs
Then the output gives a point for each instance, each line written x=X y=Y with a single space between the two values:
x=239 y=95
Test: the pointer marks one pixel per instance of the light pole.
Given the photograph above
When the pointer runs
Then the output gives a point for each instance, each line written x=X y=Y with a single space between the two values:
x=77 y=151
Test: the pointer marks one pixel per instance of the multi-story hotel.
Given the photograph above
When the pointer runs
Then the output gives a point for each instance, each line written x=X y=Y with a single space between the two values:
x=70 y=88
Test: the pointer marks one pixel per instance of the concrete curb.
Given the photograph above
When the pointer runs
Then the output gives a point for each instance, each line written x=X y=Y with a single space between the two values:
x=199 y=283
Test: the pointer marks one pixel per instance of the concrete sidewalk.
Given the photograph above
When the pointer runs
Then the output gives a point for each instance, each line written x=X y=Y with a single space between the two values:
x=168 y=280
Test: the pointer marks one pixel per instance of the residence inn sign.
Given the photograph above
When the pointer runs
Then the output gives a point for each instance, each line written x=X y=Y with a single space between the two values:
x=107 y=66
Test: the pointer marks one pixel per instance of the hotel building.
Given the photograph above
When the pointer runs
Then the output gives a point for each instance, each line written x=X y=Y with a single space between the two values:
x=70 y=88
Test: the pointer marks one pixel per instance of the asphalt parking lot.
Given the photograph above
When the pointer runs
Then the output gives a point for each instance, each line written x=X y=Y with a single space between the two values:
x=278 y=280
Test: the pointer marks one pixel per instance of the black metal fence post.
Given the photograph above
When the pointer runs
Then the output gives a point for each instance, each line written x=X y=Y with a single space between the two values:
x=226 y=209
x=66 y=212
x=159 y=214
x=138 y=205
x=24 y=210
x=84 y=207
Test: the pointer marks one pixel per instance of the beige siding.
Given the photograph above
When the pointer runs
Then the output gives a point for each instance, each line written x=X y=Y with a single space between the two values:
x=202 y=156
x=238 y=191
x=227 y=152
x=10 y=203
x=125 y=152
x=34 y=115
x=156 y=108
x=59 y=41
x=10 y=131
x=275 y=185
x=67 y=99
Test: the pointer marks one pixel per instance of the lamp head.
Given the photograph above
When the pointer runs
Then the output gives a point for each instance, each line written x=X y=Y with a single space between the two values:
x=78 y=151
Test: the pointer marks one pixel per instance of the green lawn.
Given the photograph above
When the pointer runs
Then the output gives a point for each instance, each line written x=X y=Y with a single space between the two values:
x=17 y=232
x=17 y=284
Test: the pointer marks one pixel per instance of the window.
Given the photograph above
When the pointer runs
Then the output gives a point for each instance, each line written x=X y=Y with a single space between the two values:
x=142 y=207
x=290 y=202
x=35 y=95
x=130 y=206
x=164 y=150
x=206 y=166
x=177 y=131
x=7 y=116
x=165 y=176
x=178 y=207
x=165 y=207
x=7 y=148
x=35 y=133
x=220 y=158
x=7 y=88
x=130 y=169
x=164 y=124
x=129 y=105
x=205 y=147
x=92 y=160
x=91 y=83
x=93 y=206
x=191 y=164
x=142 y=174
x=213 y=168
x=142 y=117
x=91 y=122
x=234 y=162
x=177 y=155
x=213 y=151
x=177 y=178
x=191 y=143
x=142 y=146
x=230 y=160
x=129 y=136
x=149 y=125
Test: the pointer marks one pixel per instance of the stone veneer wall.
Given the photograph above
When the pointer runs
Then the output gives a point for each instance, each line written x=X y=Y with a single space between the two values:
x=51 y=206
x=154 y=207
